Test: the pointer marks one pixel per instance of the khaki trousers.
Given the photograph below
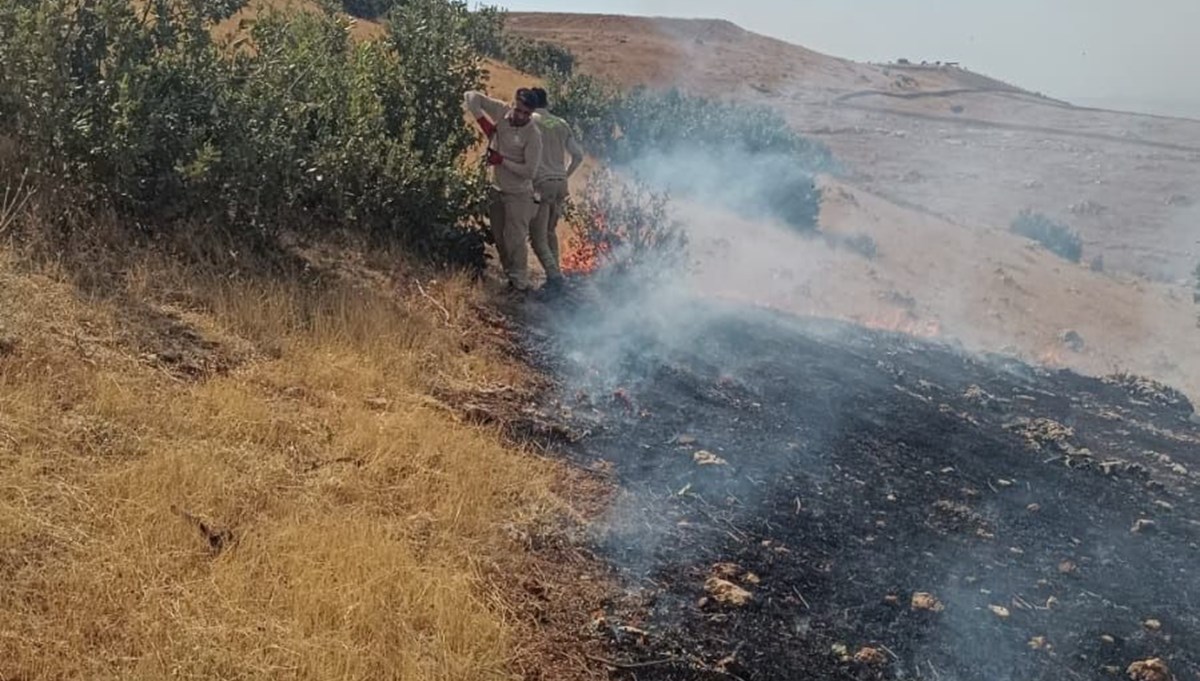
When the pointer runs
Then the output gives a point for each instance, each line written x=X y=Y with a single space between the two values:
x=510 y=215
x=543 y=232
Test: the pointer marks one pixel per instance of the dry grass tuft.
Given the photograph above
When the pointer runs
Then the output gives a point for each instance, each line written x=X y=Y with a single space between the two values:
x=309 y=514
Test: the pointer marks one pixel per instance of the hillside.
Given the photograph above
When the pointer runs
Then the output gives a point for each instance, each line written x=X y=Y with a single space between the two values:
x=912 y=131
x=281 y=430
x=716 y=57
x=206 y=475
x=939 y=161
x=229 y=453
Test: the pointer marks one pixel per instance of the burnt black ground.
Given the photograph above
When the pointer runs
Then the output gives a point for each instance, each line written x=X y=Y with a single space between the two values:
x=863 y=465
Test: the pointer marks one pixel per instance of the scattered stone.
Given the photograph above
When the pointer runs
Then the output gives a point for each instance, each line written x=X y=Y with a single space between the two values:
x=1153 y=669
x=634 y=631
x=1179 y=469
x=926 y=602
x=1152 y=625
x=1142 y=388
x=1165 y=506
x=1136 y=470
x=726 y=592
x=726 y=570
x=976 y=395
x=891 y=599
x=1144 y=526
x=751 y=578
x=1072 y=340
x=707 y=458
x=1108 y=640
x=1087 y=208
x=1000 y=611
x=1005 y=483
x=840 y=651
x=1033 y=508
x=1039 y=643
x=1068 y=567
x=1042 y=432
x=870 y=656
x=685 y=440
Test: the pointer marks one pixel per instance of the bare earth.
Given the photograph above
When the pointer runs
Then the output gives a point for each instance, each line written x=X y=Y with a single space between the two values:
x=938 y=162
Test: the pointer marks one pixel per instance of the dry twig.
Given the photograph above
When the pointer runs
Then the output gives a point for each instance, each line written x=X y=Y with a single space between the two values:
x=433 y=300
x=632 y=665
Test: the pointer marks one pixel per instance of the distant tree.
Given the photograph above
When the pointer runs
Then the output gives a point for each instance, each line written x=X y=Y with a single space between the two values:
x=1196 y=295
x=1055 y=236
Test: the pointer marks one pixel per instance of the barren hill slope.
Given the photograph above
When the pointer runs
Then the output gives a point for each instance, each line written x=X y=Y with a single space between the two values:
x=942 y=137
x=717 y=57
x=939 y=161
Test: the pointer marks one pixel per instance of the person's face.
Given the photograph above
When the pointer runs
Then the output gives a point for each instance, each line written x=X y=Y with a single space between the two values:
x=521 y=115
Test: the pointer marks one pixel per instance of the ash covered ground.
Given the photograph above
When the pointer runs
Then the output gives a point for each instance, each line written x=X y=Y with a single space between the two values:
x=804 y=499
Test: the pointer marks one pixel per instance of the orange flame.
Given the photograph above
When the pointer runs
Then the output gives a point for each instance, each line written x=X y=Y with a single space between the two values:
x=1052 y=356
x=585 y=254
x=582 y=258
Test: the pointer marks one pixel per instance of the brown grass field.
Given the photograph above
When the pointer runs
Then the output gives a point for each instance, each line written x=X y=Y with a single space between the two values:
x=293 y=504
x=208 y=477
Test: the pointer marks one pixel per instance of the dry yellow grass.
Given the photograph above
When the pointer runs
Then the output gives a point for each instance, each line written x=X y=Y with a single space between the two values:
x=363 y=516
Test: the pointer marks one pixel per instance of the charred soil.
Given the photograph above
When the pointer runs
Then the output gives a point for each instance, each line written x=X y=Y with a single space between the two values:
x=804 y=499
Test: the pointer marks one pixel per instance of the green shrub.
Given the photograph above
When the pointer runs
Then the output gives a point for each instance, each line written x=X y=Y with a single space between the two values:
x=298 y=126
x=99 y=96
x=591 y=105
x=484 y=26
x=485 y=30
x=862 y=244
x=1055 y=236
x=650 y=120
x=747 y=158
x=623 y=229
x=538 y=57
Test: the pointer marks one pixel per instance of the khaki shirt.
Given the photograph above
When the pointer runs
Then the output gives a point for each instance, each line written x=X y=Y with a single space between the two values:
x=520 y=146
x=558 y=140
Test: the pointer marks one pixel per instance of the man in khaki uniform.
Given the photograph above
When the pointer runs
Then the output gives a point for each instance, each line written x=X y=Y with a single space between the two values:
x=514 y=153
x=550 y=184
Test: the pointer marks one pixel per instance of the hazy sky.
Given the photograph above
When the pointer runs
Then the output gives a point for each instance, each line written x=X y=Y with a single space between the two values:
x=1074 y=49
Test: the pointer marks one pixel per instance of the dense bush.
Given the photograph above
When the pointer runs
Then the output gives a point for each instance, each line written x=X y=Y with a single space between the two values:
x=746 y=157
x=133 y=106
x=1055 y=236
x=485 y=30
x=483 y=27
x=538 y=57
x=591 y=105
x=623 y=229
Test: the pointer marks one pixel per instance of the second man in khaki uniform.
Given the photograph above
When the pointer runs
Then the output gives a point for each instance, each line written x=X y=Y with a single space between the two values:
x=550 y=184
